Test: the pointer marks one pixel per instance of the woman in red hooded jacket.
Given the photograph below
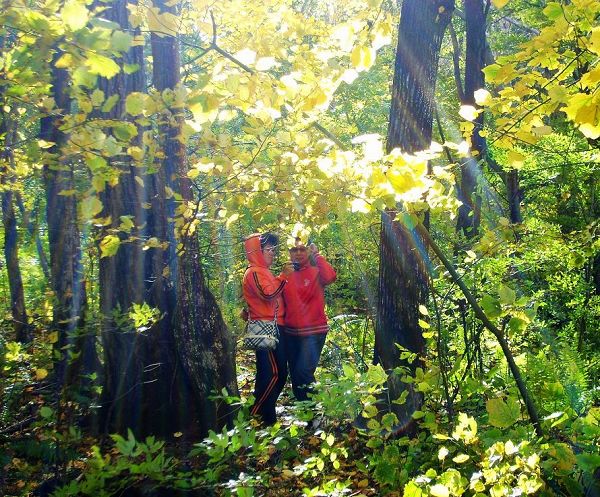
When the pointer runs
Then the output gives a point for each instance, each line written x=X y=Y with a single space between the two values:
x=305 y=320
x=263 y=294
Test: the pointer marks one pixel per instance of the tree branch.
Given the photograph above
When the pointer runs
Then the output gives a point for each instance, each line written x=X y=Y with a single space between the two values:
x=527 y=399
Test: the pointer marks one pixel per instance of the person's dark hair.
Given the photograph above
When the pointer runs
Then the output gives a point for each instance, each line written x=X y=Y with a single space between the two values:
x=268 y=239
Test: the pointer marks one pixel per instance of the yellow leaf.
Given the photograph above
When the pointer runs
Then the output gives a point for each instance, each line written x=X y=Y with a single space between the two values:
x=355 y=57
x=468 y=112
x=177 y=434
x=75 y=15
x=231 y=219
x=595 y=41
x=98 y=182
x=439 y=490
x=162 y=24
x=362 y=58
x=109 y=245
x=265 y=63
x=499 y=3
x=516 y=159
x=45 y=144
x=541 y=130
x=482 y=97
x=459 y=459
x=590 y=131
x=65 y=61
x=53 y=337
x=101 y=65
x=90 y=207
x=245 y=56
x=40 y=374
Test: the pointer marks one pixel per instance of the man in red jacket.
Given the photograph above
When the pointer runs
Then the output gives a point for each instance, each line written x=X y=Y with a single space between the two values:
x=305 y=320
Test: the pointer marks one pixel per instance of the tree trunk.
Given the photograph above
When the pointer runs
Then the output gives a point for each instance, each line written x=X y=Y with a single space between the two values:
x=157 y=381
x=204 y=344
x=33 y=230
x=515 y=195
x=11 y=254
x=469 y=213
x=403 y=255
x=66 y=271
x=8 y=132
x=131 y=377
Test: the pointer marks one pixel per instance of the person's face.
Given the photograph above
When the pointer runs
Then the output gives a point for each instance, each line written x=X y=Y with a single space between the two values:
x=269 y=254
x=299 y=255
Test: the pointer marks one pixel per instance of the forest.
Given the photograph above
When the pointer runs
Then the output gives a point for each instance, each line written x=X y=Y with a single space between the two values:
x=444 y=155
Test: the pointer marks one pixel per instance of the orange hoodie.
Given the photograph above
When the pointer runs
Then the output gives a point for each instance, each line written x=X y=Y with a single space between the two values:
x=262 y=290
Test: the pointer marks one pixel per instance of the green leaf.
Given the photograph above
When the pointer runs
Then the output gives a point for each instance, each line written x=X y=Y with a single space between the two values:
x=121 y=41
x=125 y=131
x=90 y=207
x=82 y=76
x=102 y=65
x=412 y=490
x=46 y=412
x=517 y=325
x=377 y=375
x=75 y=15
x=490 y=306
x=134 y=104
x=97 y=97
x=130 y=68
x=588 y=462
x=503 y=414
x=110 y=103
x=553 y=10
x=507 y=295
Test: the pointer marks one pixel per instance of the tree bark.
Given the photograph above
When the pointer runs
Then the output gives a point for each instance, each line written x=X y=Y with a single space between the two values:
x=66 y=271
x=403 y=280
x=469 y=213
x=204 y=344
x=32 y=229
x=8 y=131
x=157 y=381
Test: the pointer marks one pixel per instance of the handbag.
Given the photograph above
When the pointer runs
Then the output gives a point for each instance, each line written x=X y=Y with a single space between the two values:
x=261 y=334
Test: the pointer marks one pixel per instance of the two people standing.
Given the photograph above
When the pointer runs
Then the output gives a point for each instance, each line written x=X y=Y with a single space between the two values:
x=295 y=299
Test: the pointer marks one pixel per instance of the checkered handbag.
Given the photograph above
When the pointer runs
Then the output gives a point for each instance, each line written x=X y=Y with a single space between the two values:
x=261 y=335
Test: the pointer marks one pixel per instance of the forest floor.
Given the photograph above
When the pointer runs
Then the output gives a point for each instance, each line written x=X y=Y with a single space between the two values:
x=296 y=459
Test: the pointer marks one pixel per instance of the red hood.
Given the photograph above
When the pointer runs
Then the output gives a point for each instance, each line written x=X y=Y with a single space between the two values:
x=253 y=252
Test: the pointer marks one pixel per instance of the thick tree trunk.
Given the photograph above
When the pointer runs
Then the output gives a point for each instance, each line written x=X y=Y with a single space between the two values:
x=469 y=213
x=131 y=377
x=403 y=256
x=157 y=381
x=66 y=271
x=204 y=344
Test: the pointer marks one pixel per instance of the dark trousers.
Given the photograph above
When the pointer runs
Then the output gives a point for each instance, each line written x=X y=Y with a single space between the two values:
x=303 y=354
x=271 y=375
